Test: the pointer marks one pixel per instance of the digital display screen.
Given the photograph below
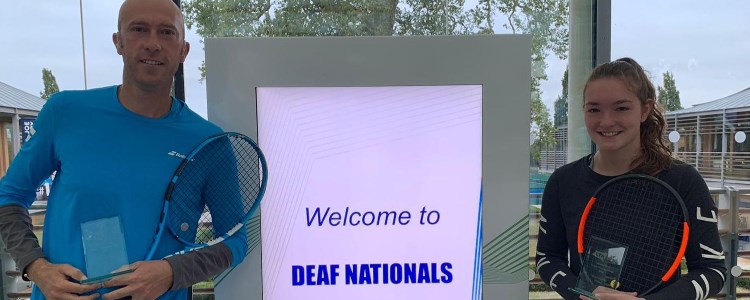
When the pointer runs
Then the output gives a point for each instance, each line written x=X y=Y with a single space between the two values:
x=373 y=192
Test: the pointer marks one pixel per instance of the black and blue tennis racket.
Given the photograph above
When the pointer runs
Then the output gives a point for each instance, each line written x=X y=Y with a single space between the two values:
x=213 y=193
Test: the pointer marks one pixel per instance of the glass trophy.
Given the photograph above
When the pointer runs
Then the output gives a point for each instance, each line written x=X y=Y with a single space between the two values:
x=104 y=250
x=601 y=267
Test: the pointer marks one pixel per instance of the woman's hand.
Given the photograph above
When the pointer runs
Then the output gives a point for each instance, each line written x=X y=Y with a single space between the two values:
x=603 y=293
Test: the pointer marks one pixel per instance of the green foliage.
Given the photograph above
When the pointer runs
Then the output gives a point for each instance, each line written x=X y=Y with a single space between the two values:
x=204 y=234
x=668 y=96
x=542 y=130
x=743 y=282
x=561 y=104
x=50 y=84
x=208 y=284
x=267 y=18
x=332 y=18
x=430 y=17
x=545 y=20
x=538 y=287
x=240 y=18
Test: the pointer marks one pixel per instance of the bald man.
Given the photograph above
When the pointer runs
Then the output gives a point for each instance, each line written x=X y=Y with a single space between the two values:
x=111 y=150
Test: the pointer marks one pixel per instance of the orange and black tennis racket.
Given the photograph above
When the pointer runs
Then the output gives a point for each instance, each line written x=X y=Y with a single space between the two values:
x=646 y=215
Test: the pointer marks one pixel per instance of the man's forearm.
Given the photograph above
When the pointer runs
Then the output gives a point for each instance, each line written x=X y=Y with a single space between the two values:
x=17 y=233
x=199 y=265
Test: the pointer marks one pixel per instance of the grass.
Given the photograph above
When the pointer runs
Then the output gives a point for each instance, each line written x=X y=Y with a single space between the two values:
x=39 y=235
x=209 y=284
x=204 y=285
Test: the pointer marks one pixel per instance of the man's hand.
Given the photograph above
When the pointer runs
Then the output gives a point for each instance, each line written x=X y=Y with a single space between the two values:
x=55 y=280
x=603 y=293
x=149 y=279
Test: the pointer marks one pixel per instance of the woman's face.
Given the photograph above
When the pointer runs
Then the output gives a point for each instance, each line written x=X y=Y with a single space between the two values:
x=613 y=115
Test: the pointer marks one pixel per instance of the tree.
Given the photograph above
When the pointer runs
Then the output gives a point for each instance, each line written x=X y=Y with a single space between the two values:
x=547 y=23
x=545 y=20
x=265 y=18
x=668 y=95
x=542 y=130
x=561 y=104
x=50 y=84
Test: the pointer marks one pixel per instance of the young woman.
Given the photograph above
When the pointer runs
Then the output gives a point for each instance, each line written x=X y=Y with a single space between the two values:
x=626 y=124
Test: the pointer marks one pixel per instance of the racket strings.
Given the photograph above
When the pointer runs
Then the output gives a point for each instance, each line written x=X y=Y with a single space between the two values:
x=215 y=190
x=644 y=216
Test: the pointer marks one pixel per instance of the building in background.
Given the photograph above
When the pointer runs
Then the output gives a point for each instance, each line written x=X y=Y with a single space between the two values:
x=18 y=109
x=712 y=138
x=709 y=133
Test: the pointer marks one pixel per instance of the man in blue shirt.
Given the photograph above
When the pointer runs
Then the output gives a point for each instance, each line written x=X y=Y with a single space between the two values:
x=114 y=150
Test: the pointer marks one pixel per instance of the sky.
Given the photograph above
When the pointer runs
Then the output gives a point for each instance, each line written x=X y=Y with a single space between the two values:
x=705 y=44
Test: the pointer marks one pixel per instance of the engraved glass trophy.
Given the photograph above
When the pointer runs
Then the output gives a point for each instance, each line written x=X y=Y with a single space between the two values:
x=104 y=250
x=601 y=266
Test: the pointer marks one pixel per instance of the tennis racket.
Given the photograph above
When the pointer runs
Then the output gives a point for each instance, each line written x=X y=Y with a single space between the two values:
x=213 y=192
x=649 y=218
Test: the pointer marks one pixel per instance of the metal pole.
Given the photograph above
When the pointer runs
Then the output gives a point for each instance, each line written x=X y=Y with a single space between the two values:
x=179 y=93
x=731 y=283
x=83 y=47
x=179 y=76
x=723 y=143
x=582 y=57
x=676 y=144
x=601 y=37
x=698 y=142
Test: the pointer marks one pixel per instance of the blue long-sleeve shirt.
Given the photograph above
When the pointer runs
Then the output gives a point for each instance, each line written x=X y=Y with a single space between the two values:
x=109 y=162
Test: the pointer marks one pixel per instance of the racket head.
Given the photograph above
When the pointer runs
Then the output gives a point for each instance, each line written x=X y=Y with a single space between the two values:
x=214 y=191
x=649 y=217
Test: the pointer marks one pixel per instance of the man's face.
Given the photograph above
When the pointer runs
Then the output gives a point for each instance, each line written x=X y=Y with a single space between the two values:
x=150 y=39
